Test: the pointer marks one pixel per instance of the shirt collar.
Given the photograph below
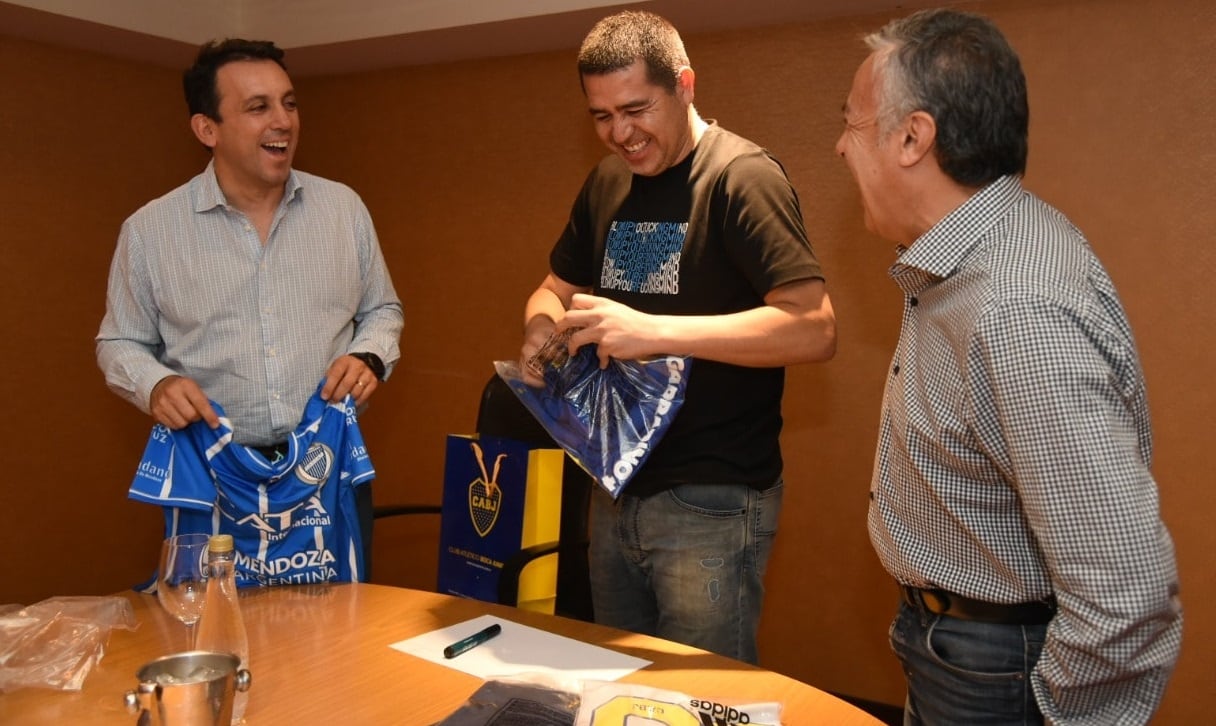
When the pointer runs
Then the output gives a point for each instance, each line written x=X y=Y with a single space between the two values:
x=937 y=253
x=208 y=194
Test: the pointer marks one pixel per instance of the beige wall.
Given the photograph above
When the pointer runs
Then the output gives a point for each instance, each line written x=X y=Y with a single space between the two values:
x=469 y=169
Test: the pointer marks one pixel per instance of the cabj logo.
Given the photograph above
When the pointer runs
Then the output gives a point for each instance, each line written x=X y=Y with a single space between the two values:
x=485 y=496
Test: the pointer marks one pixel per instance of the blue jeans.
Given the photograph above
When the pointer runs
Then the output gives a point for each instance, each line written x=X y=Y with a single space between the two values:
x=965 y=672
x=685 y=564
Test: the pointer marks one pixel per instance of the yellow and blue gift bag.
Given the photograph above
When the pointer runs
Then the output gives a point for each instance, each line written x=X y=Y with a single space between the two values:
x=499 y=496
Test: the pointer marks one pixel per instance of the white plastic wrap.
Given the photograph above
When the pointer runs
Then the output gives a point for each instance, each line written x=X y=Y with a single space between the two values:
x=56 y=642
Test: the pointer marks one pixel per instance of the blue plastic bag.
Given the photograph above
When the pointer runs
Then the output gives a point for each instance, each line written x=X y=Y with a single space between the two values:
x=608 y=420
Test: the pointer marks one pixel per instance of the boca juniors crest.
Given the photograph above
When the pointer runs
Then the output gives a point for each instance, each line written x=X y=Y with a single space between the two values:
x=499 y=496
x=485 y=496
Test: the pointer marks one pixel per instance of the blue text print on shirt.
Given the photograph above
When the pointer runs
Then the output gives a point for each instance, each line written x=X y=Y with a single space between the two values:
x=643 y=257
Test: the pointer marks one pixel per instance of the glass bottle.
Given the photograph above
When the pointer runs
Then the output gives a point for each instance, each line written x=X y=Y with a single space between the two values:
x=221 y=628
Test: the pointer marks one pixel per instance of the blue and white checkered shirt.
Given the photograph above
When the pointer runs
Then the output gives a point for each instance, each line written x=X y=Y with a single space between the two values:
x=1014 y=451
x=193 y=291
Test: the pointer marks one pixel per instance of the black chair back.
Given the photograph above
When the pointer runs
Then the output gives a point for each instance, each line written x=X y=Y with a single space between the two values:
x=502 y=414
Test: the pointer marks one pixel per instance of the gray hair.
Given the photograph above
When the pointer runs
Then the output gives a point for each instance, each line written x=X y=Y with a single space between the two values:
x=958 y=68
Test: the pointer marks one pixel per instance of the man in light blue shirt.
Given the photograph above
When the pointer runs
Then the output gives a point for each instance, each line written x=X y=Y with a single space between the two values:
x=252 y=282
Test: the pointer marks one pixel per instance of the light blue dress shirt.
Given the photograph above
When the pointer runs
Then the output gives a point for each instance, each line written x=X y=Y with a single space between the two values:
x=193 y=291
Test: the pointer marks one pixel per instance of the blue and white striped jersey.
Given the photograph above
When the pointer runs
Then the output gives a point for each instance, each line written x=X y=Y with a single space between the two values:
x=293 y=520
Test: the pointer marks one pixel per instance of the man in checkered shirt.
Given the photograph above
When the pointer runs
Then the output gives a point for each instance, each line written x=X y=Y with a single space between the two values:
x=1012 y=498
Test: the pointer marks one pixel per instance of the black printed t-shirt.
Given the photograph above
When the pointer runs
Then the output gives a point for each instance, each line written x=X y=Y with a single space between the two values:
x=712 y=235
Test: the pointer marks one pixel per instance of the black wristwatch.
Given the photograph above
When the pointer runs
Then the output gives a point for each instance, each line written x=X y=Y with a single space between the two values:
x=372 y=361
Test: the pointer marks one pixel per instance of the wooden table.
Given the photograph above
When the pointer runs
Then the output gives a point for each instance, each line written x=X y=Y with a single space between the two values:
x=321 y=655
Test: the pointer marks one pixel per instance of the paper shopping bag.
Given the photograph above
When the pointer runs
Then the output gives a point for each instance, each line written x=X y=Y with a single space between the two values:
x=499 y=496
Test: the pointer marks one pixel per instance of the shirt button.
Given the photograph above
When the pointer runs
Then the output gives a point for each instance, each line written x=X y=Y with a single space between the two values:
x=913 y=302
x=895 y=369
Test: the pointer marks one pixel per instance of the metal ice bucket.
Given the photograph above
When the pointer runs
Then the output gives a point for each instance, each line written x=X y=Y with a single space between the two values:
x=195 y=688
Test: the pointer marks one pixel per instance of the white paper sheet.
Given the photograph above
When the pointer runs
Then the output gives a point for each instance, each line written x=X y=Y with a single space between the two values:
x=520 y=649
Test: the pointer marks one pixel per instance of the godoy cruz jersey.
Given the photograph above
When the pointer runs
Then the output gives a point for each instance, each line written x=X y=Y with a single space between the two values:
x=293 y=521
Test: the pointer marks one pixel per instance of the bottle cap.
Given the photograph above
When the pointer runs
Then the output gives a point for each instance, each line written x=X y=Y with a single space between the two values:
x=220 y=543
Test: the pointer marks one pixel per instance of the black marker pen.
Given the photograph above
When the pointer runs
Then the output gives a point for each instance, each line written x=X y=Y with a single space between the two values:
x=472 y=641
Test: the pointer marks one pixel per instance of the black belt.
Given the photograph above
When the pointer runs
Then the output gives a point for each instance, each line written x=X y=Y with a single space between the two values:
x=273 y=453
x=940 y=602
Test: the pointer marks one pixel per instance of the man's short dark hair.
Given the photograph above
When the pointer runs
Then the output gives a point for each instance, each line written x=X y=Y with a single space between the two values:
x=958 y=68
x=619 y=40
x=198 y=81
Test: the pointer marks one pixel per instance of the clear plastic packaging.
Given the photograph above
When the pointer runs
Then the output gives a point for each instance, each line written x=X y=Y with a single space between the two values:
x=56 y=642
x=528 y=699
x=608 y=420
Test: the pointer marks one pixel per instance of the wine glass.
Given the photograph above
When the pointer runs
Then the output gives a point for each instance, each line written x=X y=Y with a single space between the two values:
x=181 y=580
